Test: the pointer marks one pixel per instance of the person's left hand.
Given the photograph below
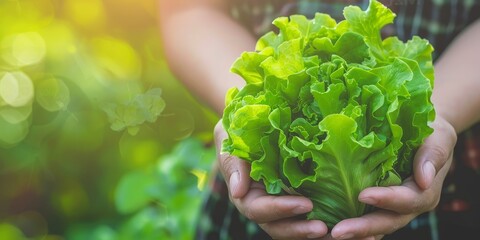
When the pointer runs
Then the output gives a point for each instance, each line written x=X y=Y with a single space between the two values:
x=418 y=194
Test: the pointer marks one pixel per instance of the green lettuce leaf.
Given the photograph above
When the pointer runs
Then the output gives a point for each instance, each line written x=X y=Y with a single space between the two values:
x=330 y=109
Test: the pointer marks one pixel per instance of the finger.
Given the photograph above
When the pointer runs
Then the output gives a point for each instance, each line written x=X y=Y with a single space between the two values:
x=403 y=199
x=370 y=238
x=236 y=174
x=219 y=135
x=376 y=224
x=235 y=171
x=434 y=153
x=295 y=229
x=261 y=207
x=329 y=237
x=407 y=198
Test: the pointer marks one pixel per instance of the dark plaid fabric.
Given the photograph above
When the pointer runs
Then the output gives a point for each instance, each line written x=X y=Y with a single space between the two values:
x=458 y=213
x=439 y=21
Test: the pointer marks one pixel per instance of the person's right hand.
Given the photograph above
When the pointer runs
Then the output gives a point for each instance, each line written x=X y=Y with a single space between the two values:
x=281 y=217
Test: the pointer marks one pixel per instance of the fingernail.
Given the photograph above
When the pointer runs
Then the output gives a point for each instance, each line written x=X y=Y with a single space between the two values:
x=428 y=173
x=368 y=200
x=234 y=180
x=345 y=236
x=317 y=230
x=300 y=210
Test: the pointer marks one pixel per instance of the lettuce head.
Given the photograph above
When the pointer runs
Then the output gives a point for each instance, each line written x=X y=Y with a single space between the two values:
x=329 y=109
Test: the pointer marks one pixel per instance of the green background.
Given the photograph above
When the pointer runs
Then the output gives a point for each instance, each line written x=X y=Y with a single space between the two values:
x=97 y=139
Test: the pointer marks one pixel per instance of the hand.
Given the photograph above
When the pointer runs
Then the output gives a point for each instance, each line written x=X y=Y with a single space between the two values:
x=276 y=215
x=418 y=194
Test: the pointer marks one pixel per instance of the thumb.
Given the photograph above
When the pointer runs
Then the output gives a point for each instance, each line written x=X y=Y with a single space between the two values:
x=434 y=154
x=234 y=170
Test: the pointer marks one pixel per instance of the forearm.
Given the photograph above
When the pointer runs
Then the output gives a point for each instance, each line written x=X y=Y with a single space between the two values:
x=201 y=43
x=456 y=93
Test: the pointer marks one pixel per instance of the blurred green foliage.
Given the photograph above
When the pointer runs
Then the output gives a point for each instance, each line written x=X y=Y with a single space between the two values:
x=97 y=139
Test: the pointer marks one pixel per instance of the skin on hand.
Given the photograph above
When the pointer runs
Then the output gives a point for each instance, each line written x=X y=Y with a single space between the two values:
x=398 y=204
x=276 y=215
x=418 y=194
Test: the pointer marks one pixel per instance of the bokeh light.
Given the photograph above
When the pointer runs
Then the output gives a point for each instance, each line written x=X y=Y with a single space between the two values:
x=23 y=49
x=16 y=88
x=117 y=59
x=12 y=133
x=10 y=232
x=86 y=13
x=15 y=115
x=60 y=40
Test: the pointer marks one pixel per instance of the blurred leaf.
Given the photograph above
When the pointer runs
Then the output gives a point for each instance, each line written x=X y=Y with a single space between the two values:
x=133 y=130
x=132 y=191
x=104 y=233
x=174 y=189
x=91 y=231
x=123 y=116
x=149 y=223
x=202 y=178
x=144 y=107
x=151 y=104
